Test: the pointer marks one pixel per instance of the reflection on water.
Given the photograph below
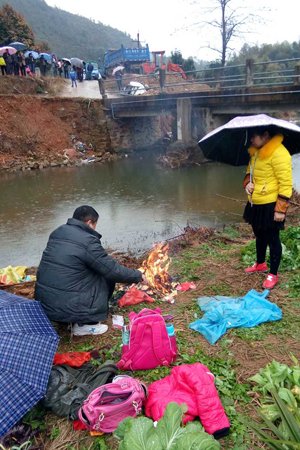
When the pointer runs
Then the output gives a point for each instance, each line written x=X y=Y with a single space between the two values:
x=139 y=203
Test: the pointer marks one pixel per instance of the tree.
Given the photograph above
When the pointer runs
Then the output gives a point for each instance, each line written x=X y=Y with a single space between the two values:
x=230 y=19
x=231 y=24
x=13 y=27
x=177 y=58
x=188 y=65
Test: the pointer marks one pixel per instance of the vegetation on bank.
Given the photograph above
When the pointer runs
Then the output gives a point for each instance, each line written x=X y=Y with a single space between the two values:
x=214 y=261
x=74 y=35
x=70 y=35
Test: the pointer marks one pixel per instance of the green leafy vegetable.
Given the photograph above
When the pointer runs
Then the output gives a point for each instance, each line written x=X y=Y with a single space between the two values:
x=286 y=438
x=141 y=434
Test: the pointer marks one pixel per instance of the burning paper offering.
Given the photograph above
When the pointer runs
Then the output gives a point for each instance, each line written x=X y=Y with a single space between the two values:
x=155 y=269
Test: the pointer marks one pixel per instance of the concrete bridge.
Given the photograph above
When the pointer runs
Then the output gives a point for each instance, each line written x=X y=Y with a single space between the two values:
x=223 y=97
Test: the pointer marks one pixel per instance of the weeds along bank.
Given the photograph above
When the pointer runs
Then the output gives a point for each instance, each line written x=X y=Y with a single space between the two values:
x=41 y=129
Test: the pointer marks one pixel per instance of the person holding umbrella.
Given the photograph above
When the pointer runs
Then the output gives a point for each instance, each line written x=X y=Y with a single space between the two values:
x=268 y=184
x=66 y=65
x=3 y=65
x=8 y=62
x=268 y=180
x=118 y=74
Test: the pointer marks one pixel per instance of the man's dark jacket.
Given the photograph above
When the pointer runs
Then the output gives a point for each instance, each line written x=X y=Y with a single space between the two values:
x=75 y=276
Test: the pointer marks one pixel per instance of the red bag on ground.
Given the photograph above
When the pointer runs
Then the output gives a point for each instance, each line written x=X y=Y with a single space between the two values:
x=72 y=359
x=134 y=296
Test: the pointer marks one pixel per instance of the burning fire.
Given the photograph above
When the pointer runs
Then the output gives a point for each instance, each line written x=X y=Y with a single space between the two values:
x=156 y=267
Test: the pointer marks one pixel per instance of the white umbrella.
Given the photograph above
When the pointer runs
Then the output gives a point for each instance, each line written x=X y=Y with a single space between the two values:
x=117 y=69
x=11 y=50
x=34 y=54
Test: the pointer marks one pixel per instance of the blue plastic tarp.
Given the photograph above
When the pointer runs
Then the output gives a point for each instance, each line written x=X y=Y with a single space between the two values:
x=223 y=313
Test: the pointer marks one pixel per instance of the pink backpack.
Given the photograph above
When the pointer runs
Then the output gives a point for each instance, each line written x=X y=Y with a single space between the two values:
x=109 y=404
x=149 y=345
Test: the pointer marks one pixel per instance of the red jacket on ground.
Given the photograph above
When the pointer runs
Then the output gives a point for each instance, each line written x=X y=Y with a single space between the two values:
x=192 y=384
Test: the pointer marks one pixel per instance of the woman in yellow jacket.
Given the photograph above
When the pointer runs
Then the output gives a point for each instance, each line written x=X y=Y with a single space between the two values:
x=268 y=183
x=3 y=65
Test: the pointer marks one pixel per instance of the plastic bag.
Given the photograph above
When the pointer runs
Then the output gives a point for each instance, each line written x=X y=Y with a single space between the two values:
x=134 y=296
x=186 y=286
x=72 y=359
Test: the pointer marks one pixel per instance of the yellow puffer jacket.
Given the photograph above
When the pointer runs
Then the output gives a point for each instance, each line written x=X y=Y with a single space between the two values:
x=271 y=171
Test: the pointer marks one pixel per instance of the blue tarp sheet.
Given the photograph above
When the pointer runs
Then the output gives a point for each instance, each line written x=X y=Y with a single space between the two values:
x=223 y=313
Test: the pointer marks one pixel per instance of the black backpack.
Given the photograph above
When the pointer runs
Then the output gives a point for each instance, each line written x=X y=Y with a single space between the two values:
x=69 y=387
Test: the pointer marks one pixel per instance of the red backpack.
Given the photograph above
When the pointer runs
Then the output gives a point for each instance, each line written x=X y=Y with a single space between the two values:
x=149 y=344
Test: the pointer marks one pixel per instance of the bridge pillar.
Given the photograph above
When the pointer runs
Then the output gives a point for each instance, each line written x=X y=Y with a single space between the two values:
x=184 y=119
x=203 y=122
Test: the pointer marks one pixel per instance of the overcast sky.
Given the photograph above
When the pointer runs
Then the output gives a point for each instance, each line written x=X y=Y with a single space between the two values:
x=176 y=24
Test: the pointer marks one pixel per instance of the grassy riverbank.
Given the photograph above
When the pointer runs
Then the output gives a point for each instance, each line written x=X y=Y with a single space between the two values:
x=215 y=262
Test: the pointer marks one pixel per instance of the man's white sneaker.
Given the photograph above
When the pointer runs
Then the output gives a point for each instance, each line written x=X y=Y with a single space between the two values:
x=83 y=330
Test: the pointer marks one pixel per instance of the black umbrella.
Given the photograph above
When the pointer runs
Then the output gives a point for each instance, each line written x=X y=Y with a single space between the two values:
x=66 y=60
x=18 y=45
x=77 y=62
x=229 y=143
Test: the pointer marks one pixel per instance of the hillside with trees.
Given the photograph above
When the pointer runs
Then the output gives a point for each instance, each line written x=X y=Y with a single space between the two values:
x=67 y=35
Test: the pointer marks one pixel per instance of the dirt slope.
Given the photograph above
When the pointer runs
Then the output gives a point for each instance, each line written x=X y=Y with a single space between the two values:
x=37 y=126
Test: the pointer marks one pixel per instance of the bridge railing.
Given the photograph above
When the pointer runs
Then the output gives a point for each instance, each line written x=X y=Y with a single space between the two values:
x=251 y=74
x=265 y=73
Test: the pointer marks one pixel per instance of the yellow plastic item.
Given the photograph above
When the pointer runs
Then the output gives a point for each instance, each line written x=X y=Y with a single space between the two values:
x=12 y=275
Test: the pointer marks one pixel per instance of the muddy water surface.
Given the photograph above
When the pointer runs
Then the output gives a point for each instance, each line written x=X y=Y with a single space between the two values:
x=139 y=203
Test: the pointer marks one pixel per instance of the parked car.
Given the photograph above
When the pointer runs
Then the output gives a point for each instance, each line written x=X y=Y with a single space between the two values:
x=95 y=72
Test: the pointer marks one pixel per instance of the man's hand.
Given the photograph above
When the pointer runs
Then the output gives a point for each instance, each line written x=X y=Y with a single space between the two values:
x=144 y=279
x=249 y=188
x=279 y=217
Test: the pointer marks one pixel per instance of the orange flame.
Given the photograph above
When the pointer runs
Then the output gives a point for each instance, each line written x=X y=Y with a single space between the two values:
x=156 y=267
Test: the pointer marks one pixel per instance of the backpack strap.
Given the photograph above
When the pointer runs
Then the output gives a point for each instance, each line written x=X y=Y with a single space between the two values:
x=125 y=361
x=161 y=345
x=102 y=375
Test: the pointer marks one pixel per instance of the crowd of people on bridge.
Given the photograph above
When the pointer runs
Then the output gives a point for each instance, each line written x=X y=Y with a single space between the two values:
x=25 y=64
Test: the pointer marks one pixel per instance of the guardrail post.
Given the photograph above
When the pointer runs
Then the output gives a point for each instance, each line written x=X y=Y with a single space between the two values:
x=162 y=78
x=249 y=72
x=101 y=87
x=297 y=74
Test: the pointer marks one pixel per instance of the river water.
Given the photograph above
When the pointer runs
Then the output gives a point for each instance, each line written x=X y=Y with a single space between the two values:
x=139 y=203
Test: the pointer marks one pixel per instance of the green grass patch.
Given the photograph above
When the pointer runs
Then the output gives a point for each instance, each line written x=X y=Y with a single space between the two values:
x=187 y=265
x=293 y=286
x=290 y=239
x=288 y=326
x=231 y=232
